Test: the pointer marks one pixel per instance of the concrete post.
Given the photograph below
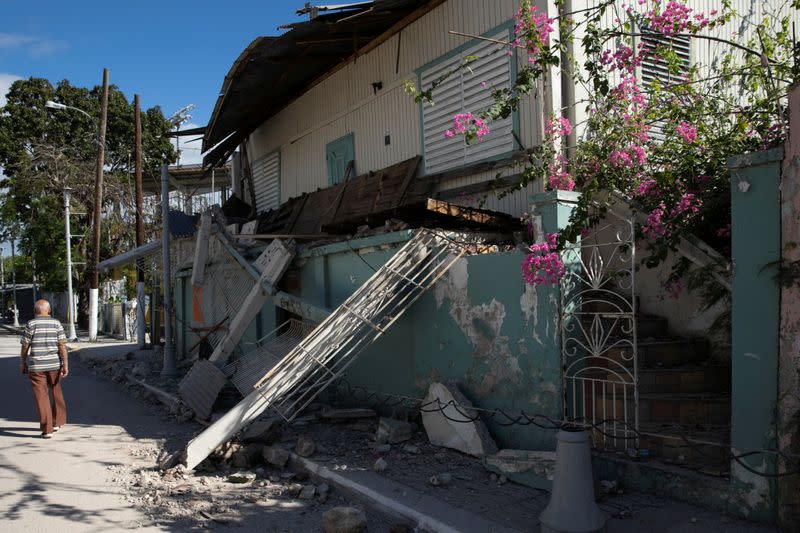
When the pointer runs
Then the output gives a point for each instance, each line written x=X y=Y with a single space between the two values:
x=236 y=175
x=169 y=367
x=755 y=305
x=789 y=356
x=71 y=335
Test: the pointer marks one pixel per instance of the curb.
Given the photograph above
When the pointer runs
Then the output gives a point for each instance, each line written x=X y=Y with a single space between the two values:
x=400 y=501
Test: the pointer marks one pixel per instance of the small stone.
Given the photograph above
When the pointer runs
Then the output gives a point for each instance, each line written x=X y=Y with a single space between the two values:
x=294 y=489
x=440 y=480
x=694 y=520
x=241 y=477
x=393 y=431
x=380 y=465
x=410 y=448
x=275 y=456
x=493 y=478
x=383 y=448
x=305 y=446
x=344 y=520
x=324 y=488
x=308 y=492
x=502 y=480
x=609 y=487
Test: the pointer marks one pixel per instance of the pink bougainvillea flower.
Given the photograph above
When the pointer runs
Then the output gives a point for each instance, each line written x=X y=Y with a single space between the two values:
x=687 y=131
x=724 y=231
x=543 y=266
x=673 y=288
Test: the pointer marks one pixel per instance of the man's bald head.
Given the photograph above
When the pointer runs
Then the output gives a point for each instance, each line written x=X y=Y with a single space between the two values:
x=41 y=308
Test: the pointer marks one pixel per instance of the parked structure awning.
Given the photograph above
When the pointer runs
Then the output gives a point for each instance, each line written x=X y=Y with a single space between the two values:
x=272 y=71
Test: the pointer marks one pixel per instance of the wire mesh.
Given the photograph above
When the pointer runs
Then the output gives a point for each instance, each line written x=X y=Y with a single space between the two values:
x=246 y=371
x=322 y=356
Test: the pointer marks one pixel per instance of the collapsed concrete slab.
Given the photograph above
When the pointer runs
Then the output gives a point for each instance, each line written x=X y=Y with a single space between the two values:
x=452 y=422
x=526 y=467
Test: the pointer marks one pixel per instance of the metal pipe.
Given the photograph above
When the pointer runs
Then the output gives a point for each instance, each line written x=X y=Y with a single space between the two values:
x=70 y=297
x=169 y=368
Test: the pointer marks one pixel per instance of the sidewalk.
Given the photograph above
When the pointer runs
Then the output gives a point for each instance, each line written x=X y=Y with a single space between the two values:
x=475 y=499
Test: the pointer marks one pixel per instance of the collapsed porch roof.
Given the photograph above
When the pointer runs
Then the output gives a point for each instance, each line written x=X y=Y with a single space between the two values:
x=272 y=71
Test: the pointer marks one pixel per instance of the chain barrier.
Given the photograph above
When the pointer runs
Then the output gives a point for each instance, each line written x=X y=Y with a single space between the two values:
x=344 y=389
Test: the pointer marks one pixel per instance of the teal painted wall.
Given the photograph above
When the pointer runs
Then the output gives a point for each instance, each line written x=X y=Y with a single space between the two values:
x=755 y=314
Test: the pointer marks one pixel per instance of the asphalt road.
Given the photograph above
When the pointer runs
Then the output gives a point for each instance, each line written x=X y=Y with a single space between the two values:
x=65 y=483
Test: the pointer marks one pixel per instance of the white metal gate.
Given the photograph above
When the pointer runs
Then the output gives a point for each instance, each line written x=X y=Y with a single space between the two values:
x=598 y=333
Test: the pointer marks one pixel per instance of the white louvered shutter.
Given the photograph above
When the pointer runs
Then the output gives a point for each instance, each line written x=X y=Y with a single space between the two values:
x=266 y=181
x=655 y=68
x=462 y=92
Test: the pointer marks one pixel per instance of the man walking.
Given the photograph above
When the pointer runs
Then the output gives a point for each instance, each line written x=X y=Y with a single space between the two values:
x=44 y=359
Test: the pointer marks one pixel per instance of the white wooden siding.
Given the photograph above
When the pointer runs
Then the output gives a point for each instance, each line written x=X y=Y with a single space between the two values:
x=266 y=181
x=345 y=101
x=464 y=91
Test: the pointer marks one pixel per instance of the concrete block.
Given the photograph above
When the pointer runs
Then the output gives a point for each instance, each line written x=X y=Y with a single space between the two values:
x=275 y=456
x=530 y=468
x=391 y=431
x=305 y=446
x=445 y=427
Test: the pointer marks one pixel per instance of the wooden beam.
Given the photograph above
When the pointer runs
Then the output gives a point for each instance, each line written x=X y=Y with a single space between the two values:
x=412 y=171
x=465 y=213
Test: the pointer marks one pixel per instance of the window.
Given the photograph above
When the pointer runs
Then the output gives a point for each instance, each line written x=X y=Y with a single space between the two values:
x=338 y=157
x=267 y=181
x=656 y=68
x=468 y=90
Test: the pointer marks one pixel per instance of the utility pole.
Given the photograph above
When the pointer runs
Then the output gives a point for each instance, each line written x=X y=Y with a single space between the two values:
x=169 y=368
x=2 y=271
x=70 y=296
x=94 y=282
x=14 y=279
x=140 y=319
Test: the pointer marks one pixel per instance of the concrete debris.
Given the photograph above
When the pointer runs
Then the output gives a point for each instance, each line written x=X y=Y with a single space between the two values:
x=380 y=465
x=609 y=487
x=305 y=446
x=308 y=492
x=410 y=448
x=391 y=431
x=247 y=456
x=275 y=456
x=346 y=415
x=440 y=480
x=226 y=452
x=242 y=477
x=532 y=468
x=344 y=520
x=324 y=488
x=383 y=448
x=456 y=426
x=141 y=369
x=263 y=431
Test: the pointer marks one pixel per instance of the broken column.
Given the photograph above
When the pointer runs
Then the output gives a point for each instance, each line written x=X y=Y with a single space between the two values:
x=451 y=421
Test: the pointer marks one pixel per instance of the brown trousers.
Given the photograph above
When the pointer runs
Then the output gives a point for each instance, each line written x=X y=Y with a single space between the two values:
x=51 y=411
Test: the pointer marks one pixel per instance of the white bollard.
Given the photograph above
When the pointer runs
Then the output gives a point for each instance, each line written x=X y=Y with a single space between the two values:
x=93 y=297
x=572 y=507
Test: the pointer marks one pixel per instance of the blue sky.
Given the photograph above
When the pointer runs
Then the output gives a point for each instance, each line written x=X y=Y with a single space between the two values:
x=171 y=52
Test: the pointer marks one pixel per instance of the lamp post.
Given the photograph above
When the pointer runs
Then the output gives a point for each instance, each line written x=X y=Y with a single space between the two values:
x=70 y=297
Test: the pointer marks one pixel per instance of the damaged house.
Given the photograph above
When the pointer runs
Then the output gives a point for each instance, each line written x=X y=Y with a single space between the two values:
x=363 y=248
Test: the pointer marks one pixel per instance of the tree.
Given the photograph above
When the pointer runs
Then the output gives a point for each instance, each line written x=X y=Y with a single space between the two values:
x=663 y=146
x=42 y=151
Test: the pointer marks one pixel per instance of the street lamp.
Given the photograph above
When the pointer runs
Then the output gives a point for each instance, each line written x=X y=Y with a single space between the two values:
x=63 y=107
x=71 y=334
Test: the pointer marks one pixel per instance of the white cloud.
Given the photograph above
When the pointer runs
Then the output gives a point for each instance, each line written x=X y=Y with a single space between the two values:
x=5 y=84
x=190 y=146
x=13 y=40
x=35 y=46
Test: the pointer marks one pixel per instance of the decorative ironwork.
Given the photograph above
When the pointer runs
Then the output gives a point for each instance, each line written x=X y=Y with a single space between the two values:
x=598 y=332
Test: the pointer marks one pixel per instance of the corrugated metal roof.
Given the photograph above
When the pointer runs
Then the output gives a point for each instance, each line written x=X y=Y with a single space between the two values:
x=272 y=71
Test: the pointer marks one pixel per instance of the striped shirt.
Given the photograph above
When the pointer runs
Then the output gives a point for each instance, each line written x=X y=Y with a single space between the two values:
x=43 y=334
